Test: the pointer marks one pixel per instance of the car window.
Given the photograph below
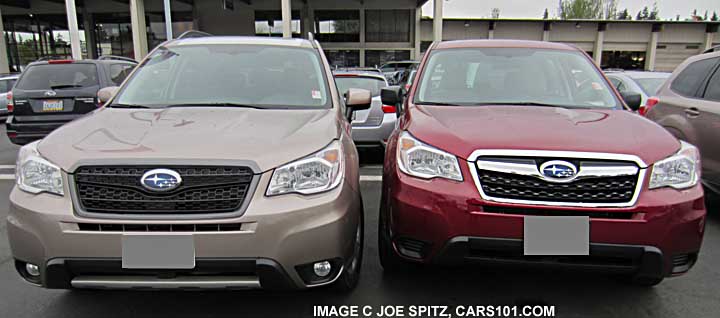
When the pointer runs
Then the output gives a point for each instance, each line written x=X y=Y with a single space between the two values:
x=369 y=83
x=650 y=85
x=502 y=75
x=58 y=76
x=712 y=92
x=118 y=72
x=256 y=75
x=5 y=86
x=619 y=85
x=689 y=80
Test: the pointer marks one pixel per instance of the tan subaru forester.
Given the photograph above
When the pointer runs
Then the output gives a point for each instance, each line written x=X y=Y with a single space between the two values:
x=220 y=163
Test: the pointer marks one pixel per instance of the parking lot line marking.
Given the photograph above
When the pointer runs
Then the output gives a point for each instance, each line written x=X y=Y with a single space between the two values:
x=7 y=177
x=370 y=178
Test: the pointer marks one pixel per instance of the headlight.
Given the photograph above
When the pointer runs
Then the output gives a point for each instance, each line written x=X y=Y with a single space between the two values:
x=34 y=174
x=321 y=171
x=679 y=170
x=424 y=161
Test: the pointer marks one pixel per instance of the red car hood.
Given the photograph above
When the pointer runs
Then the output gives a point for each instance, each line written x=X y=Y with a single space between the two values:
x=464 y=129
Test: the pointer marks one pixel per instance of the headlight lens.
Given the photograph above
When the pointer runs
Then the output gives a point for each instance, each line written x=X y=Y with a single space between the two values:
x=679 y=171
x=34 y=174
x=424 y=161
x=319 y=172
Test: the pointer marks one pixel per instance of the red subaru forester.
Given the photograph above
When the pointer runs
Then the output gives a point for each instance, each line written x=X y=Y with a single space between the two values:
x=521 y=152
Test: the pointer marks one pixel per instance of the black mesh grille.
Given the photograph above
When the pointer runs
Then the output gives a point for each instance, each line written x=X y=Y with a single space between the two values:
x=117 y=189
x=593 y=190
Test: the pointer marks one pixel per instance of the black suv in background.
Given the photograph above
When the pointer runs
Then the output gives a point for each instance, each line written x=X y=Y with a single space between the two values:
x=51 y=93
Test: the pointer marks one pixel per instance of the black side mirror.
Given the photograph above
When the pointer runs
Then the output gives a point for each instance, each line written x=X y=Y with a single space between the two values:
x=393 y=96
x=633 y=100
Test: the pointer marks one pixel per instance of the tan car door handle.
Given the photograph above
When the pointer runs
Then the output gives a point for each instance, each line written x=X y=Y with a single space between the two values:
x=692 y=112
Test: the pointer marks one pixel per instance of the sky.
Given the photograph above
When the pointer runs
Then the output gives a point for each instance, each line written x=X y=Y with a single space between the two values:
x=535 y=8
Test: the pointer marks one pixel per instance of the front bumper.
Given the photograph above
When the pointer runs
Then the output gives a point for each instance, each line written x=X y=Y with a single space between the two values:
x=374 y=136
x=275 y=238
x=440 y=221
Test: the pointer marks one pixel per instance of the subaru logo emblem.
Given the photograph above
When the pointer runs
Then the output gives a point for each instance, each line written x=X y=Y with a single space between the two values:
x=558 y=170
x=161 y=180
x=50 y=93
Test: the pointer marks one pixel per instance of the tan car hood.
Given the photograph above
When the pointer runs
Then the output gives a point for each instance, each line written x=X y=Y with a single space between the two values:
x=262 y=138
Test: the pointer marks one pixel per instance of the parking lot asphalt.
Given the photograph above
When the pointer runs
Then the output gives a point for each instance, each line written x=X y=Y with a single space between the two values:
x=574 y=294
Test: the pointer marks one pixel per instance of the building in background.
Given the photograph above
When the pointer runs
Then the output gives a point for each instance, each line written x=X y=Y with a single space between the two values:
x=352 y=32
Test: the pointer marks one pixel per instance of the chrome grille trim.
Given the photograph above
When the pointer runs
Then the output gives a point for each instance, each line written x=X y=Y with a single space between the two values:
x=518 y=163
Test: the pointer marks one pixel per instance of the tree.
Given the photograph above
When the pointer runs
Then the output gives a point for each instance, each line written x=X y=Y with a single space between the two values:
x=545 y=14
x=705 y=17
x=495 y=13
x=624 y=15
x=714 y=16
x=655 y=13
x=580 y=9
x=610 y=10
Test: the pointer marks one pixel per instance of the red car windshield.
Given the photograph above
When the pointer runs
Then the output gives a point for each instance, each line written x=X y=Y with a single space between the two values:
x=513 y=76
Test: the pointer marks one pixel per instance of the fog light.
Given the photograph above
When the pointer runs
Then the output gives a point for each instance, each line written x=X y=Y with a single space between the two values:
x=322 y=269
x=32 y=269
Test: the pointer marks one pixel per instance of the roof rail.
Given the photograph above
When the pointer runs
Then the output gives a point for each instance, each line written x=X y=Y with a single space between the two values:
x=115 y=57
x=712 y=49
x=193 y=34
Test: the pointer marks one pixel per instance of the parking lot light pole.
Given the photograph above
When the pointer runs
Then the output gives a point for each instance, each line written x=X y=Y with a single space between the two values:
x=286 y=19
x=4 y=64
x=168 y=19
x=438 y=20
x=71 y=13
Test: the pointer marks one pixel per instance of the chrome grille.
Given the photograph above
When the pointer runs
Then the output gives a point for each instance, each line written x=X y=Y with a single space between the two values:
x=205 y=189
x=601 y=181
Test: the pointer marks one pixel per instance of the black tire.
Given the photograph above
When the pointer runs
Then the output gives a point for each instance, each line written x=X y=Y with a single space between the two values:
x=390 y=261
x=351 y=273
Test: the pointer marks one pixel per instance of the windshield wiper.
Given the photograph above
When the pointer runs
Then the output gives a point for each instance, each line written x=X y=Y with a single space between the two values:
x=214 y=105
x=54 y=87
x=127 y=106
x=439 y=104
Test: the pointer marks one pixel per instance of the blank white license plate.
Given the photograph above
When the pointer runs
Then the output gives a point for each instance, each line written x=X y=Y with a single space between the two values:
x=556 y=235
x=52 y=105
x=158 y=251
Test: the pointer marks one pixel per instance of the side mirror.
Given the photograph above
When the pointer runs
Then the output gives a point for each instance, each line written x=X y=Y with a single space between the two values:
x=391 y=95
x=633 y=100
x=105 y=94
x=357 y=99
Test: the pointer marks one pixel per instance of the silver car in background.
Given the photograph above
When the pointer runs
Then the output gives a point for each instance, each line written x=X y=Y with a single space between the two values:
x=371 y=127
x=7 y=81
x=646 y=84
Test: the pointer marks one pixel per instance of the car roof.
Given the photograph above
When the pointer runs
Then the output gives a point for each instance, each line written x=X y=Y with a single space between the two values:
x=503 y=44
x=86 y=61
x=401 y=62
x=9 y=76
x=639 y=74
x=244 y=40
x=359 y=74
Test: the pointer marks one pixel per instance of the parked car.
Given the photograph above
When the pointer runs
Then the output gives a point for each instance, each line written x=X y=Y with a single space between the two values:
x=187 y=179
x=359 y=70
x=371 y=127
x=688 y=106
x=407 y=78
x=50 y=93
x=646 y=84
x=517 y=152
x=392 y=70
x=7 y=81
